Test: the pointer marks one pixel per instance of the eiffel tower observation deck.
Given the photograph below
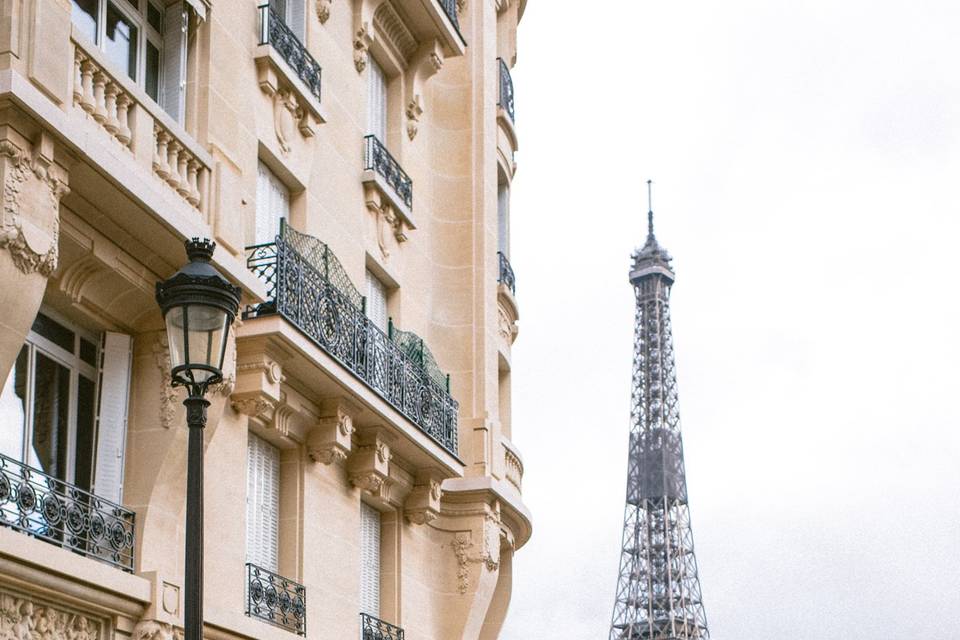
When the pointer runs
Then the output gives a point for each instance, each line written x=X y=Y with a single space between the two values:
x=658 y=591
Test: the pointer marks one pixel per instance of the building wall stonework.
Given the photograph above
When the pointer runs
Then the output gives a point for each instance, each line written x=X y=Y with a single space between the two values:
x=104 y=176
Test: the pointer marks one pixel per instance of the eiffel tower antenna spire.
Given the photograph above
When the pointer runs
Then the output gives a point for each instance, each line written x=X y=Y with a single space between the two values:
x=650 y=208
x=658 y=592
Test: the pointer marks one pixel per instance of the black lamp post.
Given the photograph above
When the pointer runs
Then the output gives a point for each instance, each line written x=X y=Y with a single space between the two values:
x=198 y=306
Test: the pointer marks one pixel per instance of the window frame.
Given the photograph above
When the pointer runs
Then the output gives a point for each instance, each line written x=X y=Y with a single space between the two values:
x=74 y=363
x=145 y=33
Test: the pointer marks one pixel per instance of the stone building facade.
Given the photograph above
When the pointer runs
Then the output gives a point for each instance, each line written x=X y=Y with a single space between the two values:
x=352 y=159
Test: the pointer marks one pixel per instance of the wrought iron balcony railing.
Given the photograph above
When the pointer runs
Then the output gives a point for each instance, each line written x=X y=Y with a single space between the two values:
x=375 y=629
x=450 y=8
x=506 y=90
x=418 y=351
x=307 y=285
x=59 y=513
x=276 y=600
x=275 y=32
x=377 y=158
x=506 y=277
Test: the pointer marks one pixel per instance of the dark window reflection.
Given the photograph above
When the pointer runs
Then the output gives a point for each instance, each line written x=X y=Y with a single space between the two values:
x=51 y=410
x=85 y=441
x=84 y=15
x=54 y=332
x=121 y=42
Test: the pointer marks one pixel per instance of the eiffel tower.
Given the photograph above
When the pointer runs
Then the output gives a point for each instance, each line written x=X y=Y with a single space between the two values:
x=658 y=592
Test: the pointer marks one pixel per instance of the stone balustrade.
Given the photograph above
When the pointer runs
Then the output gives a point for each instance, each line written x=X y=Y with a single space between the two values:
x=98 y=94
x=131 y=118
x=513 y=465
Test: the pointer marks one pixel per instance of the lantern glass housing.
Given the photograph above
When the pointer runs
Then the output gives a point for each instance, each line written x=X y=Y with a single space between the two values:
x=199 y=306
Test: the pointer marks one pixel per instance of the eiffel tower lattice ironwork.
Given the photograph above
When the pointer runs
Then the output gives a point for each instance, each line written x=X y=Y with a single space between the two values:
x=658 y=592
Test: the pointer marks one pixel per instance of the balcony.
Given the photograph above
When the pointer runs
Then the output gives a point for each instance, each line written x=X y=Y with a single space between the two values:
x=308 y=287
x=450 y=8
x=275 y=32
x=506 y=277
x=374 y=629
x=49 y=509
x=378 y=161
x=276 y=600
x=505 y=99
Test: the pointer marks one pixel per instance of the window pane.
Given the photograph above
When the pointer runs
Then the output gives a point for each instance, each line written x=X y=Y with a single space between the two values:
x=88 y=352
x=51 y=410
x=152 y=72
x=86 y=406
x=206 y=325
x=13 y=408
x=84 y=15
x=54 y=332
x=121 y=42
x=154 y=17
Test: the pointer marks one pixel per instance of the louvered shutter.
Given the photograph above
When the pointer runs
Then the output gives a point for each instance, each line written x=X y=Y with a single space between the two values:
x=112 y=416
x=273 y=203
x=377 y=97
x=263 y=502
x=369 y=560
x=376 y=302
x=173 y=65
x=503 y=219
x=297 y=18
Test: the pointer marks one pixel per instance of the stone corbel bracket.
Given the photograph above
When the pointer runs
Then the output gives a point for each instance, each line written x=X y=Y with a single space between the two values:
x=363 y=11
x=425 y=64
x=423 y=504
x=32 y=188
x=368 y=467
x=294 y=105
x=330 y=439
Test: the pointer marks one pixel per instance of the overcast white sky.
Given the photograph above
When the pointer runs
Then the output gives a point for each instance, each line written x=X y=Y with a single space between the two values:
x=806 y=161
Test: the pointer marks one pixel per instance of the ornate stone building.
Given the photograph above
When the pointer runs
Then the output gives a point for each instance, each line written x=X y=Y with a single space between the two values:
x=360 y=478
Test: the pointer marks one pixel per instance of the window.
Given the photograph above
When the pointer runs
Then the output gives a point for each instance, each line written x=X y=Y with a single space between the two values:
x=143 y=41
x=377 y=100
x=273 y=205
x=293 y=14
x=369 y=560
x=54 y=418
x=263 y=503
x=377 y=302
x=503 y=218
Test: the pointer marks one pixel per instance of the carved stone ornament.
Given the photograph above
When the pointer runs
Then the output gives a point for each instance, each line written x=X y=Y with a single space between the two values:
x=155 y=630
x=461 y=6
x=252 y=406
x=414 y=111
x=23 y=619
x=286 y=114
x=370 y=482
x=329 y=441
x=168 y=394
x=323 y=10
x=30 y=225
x=460 y=544
x=361 y=46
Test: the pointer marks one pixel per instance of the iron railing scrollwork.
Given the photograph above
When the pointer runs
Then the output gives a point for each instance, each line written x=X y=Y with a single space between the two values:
x=506 y=277
x=65 y=515
x=375 y=629
x=418 y=351
x=277 y=600
x=506 y=90
x=307 y=294
x=450 y=8
x=377 y=158
x=275 y=32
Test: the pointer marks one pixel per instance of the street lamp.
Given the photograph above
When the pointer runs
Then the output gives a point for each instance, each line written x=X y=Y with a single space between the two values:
x=198 y=306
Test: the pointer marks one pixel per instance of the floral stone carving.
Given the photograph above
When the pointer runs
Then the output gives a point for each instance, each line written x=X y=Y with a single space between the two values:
x=23 y=619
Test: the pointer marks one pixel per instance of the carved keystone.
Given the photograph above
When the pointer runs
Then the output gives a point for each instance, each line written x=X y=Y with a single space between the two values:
x=329 y=440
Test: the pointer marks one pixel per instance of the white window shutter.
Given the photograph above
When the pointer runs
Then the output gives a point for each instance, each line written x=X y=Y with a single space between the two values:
x=297 y=19
x=377 y=302
x=503 y=219
x=377 y=97
x=263 y=503
x=369 y=560
x=273 y=203
x=112 y=416
x=173 y=65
